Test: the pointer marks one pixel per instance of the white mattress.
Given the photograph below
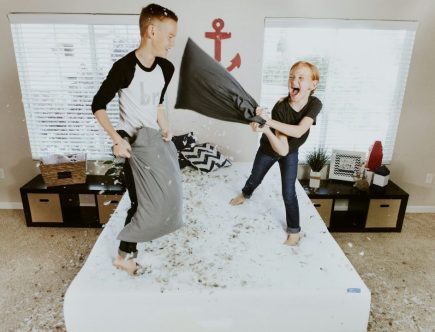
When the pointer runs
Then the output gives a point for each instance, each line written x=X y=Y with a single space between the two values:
x=226 y=270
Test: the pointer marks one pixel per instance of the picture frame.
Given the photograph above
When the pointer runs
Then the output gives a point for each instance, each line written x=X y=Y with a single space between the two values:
x=345 y=165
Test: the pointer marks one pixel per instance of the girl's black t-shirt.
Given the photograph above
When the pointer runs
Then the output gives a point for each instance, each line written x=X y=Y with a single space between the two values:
x=283 y=112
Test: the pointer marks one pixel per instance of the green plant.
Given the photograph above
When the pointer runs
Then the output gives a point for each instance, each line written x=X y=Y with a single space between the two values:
x=317 y=159
x=116 y=169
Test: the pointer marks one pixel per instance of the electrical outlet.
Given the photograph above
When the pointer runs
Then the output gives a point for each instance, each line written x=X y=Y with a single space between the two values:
x=429 y=178
x=2 y=173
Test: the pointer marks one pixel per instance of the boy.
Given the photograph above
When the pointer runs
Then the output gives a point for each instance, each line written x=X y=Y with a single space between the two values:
x=143 y=137
x=292 y=118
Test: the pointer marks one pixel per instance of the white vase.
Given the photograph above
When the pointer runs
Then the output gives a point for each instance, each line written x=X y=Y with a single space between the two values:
x=314 y=179
x=369 y=176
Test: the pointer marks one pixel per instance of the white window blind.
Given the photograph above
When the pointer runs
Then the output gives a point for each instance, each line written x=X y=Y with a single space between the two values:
x=62 y=60
x=363 y=70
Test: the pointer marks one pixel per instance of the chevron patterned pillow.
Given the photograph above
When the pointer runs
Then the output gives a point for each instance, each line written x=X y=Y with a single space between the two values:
x=184 y=141
x=205 y=157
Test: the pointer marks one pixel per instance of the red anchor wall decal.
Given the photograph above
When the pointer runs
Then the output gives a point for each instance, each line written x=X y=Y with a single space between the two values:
x=218 y=36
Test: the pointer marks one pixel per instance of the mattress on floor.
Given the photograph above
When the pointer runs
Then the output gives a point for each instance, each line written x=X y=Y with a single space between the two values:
x=225 y=270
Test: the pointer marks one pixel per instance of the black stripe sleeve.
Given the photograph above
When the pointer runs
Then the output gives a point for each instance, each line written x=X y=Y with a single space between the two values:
x=168 y=72
x=108 y=89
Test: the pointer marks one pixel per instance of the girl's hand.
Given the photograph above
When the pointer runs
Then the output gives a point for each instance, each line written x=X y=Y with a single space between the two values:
x=256 y=127
x=261 y=112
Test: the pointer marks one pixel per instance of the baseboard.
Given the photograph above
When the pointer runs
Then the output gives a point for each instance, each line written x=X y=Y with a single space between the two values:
x=409 y=209
x=420 y=209
x=11 y=205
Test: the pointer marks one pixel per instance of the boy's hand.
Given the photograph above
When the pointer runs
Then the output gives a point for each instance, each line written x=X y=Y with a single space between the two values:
x=121 y=149
x=166 y=135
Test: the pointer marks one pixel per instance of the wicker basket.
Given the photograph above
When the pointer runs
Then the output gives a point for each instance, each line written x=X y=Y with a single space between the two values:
x=63 y=173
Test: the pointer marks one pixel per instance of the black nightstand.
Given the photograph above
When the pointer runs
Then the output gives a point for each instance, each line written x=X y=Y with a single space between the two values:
x=347 y=209
x=78 y=205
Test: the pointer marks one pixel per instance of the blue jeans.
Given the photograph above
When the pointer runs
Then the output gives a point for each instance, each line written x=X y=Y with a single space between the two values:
x=289 y=169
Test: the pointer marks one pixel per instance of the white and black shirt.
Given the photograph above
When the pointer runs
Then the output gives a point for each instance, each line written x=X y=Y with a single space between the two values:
x=140 y=91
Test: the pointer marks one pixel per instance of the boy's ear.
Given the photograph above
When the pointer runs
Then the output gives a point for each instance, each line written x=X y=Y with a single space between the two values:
x=315 y=83
x=150 y=31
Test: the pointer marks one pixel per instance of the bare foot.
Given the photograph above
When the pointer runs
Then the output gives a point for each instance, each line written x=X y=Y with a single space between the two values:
x=128 y=265
x=238 y=200
x=293 y=239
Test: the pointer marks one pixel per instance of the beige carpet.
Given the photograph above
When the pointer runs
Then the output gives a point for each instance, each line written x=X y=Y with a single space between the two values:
x=38 y=263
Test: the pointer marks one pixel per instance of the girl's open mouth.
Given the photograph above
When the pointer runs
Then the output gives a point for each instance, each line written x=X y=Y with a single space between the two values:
x=294 y=91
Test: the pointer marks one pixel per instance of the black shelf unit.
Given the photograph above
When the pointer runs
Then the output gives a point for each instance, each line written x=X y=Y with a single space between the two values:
x=378 y=210
x=78 y=205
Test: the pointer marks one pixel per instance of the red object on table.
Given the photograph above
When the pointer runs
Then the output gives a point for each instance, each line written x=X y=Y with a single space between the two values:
x=374 y=160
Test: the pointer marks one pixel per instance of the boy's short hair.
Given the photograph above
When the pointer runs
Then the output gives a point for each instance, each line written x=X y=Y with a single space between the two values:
x=154 y=11
x=315 y=74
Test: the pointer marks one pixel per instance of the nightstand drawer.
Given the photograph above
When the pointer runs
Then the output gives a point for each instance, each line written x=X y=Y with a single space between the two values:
x=324 y=207
x=45 y=208
x=106 y=206
x=383 y=213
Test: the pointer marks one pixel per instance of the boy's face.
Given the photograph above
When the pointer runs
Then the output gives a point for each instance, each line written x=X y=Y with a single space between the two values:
x=163 y=35
x=300 y=83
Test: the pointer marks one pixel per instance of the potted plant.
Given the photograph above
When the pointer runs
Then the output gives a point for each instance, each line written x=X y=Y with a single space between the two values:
x=316 y=159
x=115 y=170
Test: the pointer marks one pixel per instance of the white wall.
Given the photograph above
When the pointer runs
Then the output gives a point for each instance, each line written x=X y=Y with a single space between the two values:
x=414 y=152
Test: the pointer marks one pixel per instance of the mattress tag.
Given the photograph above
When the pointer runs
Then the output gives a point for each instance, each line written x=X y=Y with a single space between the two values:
x=354 y=290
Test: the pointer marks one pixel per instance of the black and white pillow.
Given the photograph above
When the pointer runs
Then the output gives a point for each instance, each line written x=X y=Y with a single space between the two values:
x=186 y=141
x=205 y=157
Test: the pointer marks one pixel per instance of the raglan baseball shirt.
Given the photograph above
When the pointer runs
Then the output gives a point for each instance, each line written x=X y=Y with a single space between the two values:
x=140 y=91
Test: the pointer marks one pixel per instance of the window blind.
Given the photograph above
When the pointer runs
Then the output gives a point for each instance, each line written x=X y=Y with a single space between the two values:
x=62 y=60
x=363 y=68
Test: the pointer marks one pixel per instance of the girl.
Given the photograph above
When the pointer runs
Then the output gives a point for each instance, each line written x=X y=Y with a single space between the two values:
x=288 y=129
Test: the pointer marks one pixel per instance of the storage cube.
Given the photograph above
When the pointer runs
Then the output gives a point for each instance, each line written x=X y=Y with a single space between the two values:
x=45 y=208
x=380 y=180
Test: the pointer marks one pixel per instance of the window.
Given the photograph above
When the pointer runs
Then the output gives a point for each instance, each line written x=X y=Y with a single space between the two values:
x=363 y=70
x=62 y=60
